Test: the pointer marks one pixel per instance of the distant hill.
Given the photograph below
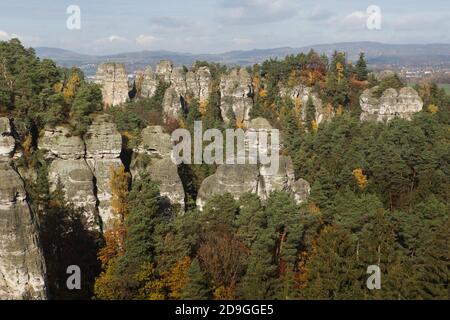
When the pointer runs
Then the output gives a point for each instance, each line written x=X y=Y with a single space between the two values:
x=379 y=55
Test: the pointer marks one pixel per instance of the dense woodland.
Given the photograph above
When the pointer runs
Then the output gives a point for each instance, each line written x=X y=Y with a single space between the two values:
x=379 y=192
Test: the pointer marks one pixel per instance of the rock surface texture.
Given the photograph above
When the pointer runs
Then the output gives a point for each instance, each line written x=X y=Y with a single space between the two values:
x=183 y=84
x=255 y=178
x=392 y=104
x=22 y=265
x=113 y=79
x=82 y=167
x=236 y=91
x=153 y=156
x=300 y=94
x=103 y=148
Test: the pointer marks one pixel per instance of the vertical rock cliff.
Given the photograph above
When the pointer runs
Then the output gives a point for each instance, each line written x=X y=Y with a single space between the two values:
x=113 y=80
x=22 y=265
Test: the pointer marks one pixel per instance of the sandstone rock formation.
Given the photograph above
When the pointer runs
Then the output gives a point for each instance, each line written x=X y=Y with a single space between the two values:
x=103 y=148
x=70 y=171
x=403 y=104
x=183 y=85
x=82 y=167
x=22 y=265
x=7 y=142
x=164 y=70
x=301 y=94
x=114 y=82
x=153 y=156
x=256 y=178
x=148 y=83
x=236 y=91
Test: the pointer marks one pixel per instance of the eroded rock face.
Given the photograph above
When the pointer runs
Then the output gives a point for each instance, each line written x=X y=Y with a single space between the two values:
x=302 y=93
x=153 y=156
x=114 y=82
x=60 y=143
x=77 y=181
x=164 y=70
x=149 y=83
x=7 y=142
x=402 y=104
x=236 y=90
x=22 y=265
x=103 y=148
x=233 y=179
x=193 y=84
x=69 y=170
x=256 y=178
x=155 y=142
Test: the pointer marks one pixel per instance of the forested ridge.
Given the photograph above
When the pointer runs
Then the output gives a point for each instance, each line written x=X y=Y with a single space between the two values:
x=379 y=192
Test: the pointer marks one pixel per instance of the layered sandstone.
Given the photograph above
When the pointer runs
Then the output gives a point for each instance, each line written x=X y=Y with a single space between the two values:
x=22 y=265
x=113 y=80
x=392 y=104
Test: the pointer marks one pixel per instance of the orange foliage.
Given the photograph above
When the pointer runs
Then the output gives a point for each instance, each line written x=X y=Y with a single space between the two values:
x=176 y=278
x=114 y=244
x=119 y=181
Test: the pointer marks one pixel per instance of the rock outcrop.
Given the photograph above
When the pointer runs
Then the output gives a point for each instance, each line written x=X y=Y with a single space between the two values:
x=300 y=94
x=236 y=91
x=7 y=142
x=82 y=167
x=22 y=265
x=402 y=104
x=148 y=83
x=255 y=178
x=113 y=79
x=69 y=170
x=183 y=86
x=103 y=148
x=153 y=156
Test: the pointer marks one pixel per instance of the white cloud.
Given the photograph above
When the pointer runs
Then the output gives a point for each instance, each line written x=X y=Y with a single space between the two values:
x=242 y=41
x=4 y=35
x=114 y=38
x=146 y=40
x=26 y=40
x=258 y=11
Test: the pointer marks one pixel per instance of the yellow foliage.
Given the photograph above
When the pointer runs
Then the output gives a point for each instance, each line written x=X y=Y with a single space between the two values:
x=152 y=287
x=176 y=278
x=27 y=144
x=339 y=111
x=361 y=178
x=70 y=90
x=432 y=109
x=106 y=285
x=119 y=180
x=314 y=126
x=58 y=87
x=262 y=93
x=224 y=293
x=203 y=107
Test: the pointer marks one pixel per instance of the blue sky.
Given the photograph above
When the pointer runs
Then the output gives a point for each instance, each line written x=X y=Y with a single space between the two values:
x=212 y=26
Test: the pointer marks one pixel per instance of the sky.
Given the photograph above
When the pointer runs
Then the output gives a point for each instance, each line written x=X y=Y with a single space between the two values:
x=215 y=26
